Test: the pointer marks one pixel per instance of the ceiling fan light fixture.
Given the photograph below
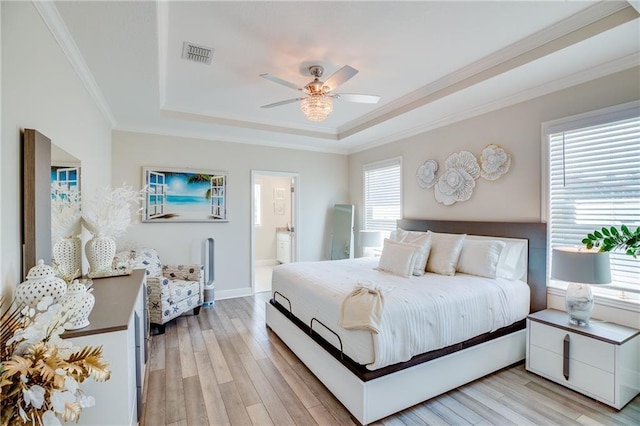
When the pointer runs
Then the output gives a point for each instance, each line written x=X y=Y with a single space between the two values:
x=316 y=107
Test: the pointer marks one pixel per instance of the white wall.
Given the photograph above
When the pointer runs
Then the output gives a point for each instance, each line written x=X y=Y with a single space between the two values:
x=40 y=90
x=265 y=235
x=322 y=183
x=515 y=196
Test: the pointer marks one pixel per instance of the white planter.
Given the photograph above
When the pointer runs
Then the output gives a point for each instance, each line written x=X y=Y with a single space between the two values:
x=67 y=253
x=100 y=252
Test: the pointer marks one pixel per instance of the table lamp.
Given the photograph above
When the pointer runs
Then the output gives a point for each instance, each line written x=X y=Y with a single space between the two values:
x=581 y=268
x=370 y=240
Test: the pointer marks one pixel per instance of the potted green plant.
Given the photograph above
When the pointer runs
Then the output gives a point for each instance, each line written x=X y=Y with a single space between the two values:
x=610 y=239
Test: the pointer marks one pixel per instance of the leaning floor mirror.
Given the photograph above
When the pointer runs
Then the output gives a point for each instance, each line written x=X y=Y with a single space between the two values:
x=342 y=237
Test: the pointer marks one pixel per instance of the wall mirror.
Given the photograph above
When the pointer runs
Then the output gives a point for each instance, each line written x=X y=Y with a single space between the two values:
x=43 y=164
x=342 y=237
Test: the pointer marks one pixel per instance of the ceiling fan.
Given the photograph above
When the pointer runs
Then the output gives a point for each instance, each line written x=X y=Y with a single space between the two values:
x=318 y=103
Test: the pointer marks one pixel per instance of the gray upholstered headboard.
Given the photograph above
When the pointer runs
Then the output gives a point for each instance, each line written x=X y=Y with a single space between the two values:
x=534 y=232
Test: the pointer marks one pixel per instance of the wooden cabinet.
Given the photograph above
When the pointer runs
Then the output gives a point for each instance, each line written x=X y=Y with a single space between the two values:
x=118 y=323
x=283 y=247
x=599 y=360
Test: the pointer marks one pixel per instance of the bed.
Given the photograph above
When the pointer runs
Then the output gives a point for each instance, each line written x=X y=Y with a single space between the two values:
x=367 y=376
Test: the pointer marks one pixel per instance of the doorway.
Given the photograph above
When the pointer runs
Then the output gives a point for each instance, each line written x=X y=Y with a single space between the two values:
x=274 y=227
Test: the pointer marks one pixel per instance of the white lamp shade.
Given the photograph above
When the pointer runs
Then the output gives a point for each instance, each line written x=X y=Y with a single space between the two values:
x=580 y=265
x=371 y=238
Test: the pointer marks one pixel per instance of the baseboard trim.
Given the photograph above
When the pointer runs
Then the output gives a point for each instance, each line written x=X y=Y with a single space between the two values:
x=267 y=262
x=233 y=293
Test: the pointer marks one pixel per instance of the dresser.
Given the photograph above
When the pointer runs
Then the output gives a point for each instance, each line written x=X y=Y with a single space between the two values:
x=118 y=323
x=600 y=360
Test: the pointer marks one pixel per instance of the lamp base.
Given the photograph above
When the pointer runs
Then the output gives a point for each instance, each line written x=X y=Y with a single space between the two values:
x=579 y=303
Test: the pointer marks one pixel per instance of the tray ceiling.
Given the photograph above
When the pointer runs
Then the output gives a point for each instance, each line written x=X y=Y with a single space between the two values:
x=432 y=63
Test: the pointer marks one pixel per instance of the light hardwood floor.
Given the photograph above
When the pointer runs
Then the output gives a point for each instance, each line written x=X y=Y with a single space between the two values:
x=224 y=367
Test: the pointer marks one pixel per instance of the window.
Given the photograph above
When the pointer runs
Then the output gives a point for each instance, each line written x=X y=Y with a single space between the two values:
x=594 y=181
x=382 y=194
x=257 y=204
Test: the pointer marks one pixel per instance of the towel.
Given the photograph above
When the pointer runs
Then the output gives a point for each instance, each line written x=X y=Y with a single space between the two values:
x=362 y=308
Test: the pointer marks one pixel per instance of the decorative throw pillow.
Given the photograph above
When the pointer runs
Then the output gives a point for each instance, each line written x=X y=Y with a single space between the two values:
x=445 y=251
x=147 y=258
x=418 y=238
x=398 y=258
x=480 y=257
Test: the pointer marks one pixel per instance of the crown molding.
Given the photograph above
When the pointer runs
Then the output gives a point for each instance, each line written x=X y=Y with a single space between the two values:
x=203 y=135
x=307 y=131
x=587 y=23
x=60 y=32
x=602 y=70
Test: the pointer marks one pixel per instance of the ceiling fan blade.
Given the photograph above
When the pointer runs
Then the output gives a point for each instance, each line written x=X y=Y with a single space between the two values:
x=280 y=81
x=275 y=104
x=354 y=97
x=339 y=77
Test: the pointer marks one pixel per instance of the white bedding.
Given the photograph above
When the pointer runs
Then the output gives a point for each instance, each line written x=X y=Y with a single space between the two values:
x=420 y=313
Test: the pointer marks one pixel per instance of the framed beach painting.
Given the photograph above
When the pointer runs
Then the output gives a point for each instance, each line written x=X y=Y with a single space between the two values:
x=175 y=195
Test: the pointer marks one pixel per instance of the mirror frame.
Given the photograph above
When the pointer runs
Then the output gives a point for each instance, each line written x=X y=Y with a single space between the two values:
x=36 y=199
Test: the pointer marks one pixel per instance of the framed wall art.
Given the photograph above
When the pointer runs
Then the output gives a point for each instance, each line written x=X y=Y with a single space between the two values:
x=278 y=201
x=175 y=195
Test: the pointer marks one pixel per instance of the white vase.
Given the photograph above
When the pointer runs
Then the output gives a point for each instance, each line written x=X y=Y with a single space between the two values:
x=41 y=282
x=100 y=251
x=67 y=253
x=82 y=302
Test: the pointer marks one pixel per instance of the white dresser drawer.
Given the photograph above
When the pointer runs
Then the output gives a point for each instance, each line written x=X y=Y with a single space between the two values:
x=586 y=350
x=584 y=378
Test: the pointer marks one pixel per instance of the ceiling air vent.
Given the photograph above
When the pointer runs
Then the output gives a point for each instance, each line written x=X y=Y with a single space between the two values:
x=195 y=53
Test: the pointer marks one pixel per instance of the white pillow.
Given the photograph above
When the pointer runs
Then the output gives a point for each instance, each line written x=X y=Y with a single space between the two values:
x=418 y=238
x=512 y=264
x=445 y=251
x=480 y=257
x=398 y=258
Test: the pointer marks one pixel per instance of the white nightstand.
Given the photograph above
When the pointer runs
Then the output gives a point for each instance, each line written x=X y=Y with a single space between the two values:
x=600 y=360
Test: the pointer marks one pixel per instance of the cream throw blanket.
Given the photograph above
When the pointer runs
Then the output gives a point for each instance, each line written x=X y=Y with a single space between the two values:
x=362 y=308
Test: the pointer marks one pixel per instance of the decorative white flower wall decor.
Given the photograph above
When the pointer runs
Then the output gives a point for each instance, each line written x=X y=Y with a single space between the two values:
x=461 y=170
x=458 y=180
x=426 y=174
x=494 y=162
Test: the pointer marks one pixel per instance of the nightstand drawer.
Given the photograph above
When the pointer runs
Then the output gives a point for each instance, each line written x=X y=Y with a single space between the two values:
x=582 y=377
x=583 y=349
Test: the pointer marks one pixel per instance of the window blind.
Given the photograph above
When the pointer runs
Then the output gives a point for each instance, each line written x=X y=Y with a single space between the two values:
x=594 y=181
x=382 y=195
